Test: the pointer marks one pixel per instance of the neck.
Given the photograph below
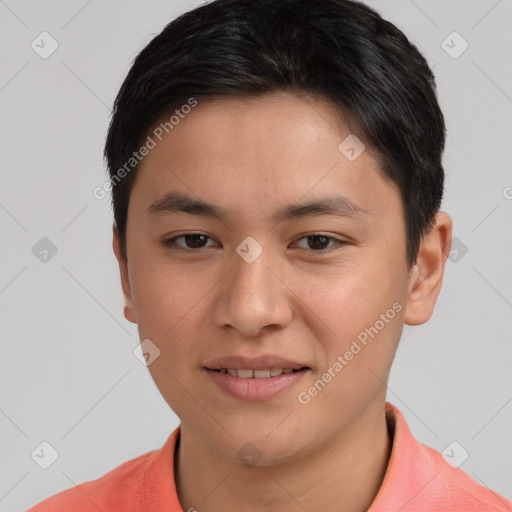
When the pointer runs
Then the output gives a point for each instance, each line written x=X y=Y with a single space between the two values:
x=348 y=472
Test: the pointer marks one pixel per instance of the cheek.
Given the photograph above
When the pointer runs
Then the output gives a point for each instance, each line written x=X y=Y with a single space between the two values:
x=161 y=287
x=358 y=312
x=350 y=298
x=169 y=306
x=166 y=301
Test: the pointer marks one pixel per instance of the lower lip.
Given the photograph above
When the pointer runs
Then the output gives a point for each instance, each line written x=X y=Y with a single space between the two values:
x=253 y=389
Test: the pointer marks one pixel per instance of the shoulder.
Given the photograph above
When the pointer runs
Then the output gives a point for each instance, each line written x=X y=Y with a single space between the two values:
x=114 y=491
x=461 y=490
x=420 y=479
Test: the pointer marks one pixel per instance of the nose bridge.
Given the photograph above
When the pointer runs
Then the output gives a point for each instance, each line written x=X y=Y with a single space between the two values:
x=253 y=296
x=253 y=277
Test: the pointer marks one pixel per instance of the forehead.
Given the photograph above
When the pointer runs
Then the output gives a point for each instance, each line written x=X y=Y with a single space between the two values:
x=250 y=152
x=274 y=124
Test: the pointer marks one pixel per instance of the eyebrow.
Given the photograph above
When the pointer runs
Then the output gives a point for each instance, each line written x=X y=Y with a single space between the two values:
x=338 y=205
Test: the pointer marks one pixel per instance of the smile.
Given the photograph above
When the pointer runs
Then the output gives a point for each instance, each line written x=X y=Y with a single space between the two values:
x=257 y=374
x=255 y=385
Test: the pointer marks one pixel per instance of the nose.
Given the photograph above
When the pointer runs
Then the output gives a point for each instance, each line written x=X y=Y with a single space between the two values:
x=254 y=297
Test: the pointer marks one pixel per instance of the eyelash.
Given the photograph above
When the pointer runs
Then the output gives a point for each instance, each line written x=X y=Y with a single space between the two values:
x=168 y=243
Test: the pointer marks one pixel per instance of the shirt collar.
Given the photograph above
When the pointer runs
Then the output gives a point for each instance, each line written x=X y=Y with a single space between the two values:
x=416 y=479
x=410 y=470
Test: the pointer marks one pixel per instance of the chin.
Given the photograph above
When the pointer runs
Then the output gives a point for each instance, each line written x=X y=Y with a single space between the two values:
x=257 y=447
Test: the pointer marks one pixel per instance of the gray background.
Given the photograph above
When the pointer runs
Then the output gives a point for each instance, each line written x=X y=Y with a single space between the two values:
x=67 y=369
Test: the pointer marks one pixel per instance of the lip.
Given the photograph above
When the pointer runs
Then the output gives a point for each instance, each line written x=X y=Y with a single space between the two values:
x=254 y=389
x=263 y=362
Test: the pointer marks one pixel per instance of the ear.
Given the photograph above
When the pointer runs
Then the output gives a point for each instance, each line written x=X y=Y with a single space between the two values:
x=427 y=274
x=129 y=310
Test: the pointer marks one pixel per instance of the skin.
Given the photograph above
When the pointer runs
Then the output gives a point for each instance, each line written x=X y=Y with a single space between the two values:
x=252 y=157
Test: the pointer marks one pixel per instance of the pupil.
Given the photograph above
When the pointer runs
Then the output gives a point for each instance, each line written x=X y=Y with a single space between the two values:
x=324 y=241
x=195 y=243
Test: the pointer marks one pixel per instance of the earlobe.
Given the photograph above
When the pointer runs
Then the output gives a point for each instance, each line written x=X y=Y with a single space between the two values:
x=129 y=310
x=427 y=274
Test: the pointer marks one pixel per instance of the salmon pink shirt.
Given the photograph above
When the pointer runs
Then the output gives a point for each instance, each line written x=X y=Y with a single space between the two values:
x=417 y=479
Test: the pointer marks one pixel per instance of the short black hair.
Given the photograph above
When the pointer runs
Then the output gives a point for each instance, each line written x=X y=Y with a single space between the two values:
x=341 y=51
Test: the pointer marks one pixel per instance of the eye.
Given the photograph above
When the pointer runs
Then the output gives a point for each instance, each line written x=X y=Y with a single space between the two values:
x=192 y=241
x=319 y=242
x=195 y=241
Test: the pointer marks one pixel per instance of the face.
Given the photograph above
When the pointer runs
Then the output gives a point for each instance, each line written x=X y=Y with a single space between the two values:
x=253 y=281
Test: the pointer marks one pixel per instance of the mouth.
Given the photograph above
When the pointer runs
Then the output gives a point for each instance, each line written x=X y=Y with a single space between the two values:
x=254 y=379
x=269 y=373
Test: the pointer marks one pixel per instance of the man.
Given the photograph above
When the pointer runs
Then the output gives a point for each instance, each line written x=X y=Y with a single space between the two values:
x=276 y=177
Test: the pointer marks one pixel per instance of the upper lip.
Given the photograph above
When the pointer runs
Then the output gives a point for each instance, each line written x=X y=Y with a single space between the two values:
x=263 y=362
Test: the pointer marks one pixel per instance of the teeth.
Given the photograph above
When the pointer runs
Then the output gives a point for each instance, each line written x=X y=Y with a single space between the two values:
x=258 y=374
x=261 y=374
